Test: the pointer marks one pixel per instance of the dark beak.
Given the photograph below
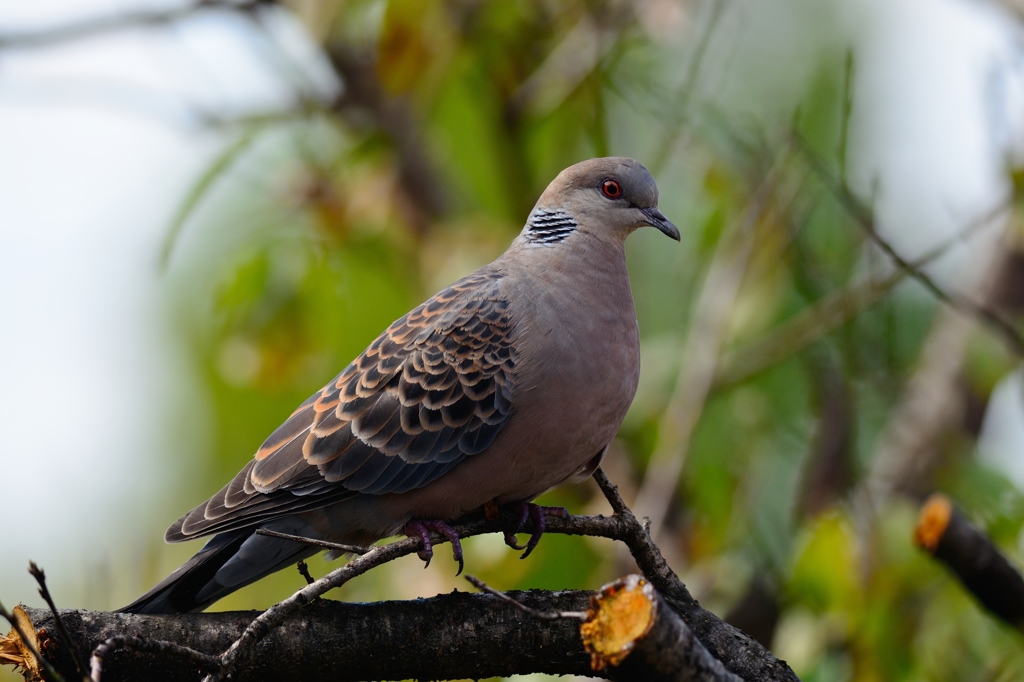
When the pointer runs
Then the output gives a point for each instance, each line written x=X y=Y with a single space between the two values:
x=657 y=219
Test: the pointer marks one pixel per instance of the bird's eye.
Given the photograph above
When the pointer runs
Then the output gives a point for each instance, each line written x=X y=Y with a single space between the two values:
x=611 y=189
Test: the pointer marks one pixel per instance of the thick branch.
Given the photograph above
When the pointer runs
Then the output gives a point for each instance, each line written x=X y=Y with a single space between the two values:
x=456 y=635
x=631 y=634
x=273 y=617
x=739 y=653
x=943 y=532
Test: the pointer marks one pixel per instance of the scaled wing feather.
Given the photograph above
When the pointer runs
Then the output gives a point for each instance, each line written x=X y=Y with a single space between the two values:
x=431 y=390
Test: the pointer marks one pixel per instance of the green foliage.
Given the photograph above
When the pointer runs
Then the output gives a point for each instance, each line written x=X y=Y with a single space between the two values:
x=277 y=283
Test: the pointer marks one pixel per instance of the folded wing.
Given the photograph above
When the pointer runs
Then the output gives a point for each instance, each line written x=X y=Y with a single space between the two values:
x=434 y=388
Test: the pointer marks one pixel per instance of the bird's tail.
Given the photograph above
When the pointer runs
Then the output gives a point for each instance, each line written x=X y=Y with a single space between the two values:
x=229 y=561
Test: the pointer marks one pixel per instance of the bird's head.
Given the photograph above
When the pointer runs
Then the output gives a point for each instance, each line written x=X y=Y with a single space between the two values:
x=608 y=197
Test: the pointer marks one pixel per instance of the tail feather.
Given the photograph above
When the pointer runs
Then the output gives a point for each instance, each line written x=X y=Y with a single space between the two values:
x=229 y=561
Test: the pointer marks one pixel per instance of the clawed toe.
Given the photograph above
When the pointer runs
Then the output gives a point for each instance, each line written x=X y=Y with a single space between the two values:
x=537 y=514
x=525 y=511
x=522 y=510
x=512 y=541
x=421 y=529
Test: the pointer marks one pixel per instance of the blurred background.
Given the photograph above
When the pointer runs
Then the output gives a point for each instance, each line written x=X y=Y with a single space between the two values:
x=208 y=208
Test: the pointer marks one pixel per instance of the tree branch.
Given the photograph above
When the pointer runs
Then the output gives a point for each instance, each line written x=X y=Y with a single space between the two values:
x=44 y=592
x=863 y=215
x=631 y=634
x=327 y=640
x=827 y=314
x=533 y=613
x=21 y=646
x=451 y=636
x=943 y=532
x=739 y=653
x=939 y=399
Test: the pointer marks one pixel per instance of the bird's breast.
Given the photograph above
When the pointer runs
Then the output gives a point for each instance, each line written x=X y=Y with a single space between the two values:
x=580 y=350
x=577 y=368
x=577 y=364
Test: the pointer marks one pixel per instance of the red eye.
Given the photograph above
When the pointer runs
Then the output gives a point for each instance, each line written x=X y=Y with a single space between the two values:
x=611 y=189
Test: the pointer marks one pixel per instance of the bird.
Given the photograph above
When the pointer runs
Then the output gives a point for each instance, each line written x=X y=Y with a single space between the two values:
x=500 y=387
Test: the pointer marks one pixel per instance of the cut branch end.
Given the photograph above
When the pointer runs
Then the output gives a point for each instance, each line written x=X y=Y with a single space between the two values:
x=932 y=522
x=620 y=614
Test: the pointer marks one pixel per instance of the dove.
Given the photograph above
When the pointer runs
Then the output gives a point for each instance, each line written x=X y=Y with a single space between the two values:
x=497 y=389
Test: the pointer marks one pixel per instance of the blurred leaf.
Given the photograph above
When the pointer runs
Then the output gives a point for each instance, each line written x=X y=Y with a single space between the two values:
x=988 y=362
x=214 y=172
x=498 y=97
x=803 y=329
x=824 y=571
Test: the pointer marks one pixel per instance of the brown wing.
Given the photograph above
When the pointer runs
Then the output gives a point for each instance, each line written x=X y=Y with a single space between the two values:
x=434 y=388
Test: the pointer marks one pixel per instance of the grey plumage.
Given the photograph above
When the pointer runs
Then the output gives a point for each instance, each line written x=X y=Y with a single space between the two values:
x=498 y=388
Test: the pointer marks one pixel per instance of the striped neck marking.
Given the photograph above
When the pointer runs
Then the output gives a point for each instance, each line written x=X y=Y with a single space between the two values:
x=545 y=227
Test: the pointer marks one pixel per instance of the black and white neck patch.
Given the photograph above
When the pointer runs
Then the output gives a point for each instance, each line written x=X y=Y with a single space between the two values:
x=545 y=227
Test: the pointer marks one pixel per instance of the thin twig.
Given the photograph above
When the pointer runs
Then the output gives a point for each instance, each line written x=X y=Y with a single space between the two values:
x=707 y=332
x=847 y=110
x=830 y=312
x=936 y=402
x=568 y=64
x=151 y=646
x=611 y=493
x=44 y=592
x=338 y=546
x=645 y=551
x=682 y=97
x=47 y=666
x=864 y=217
x=304 y=572
x=641 y=545
x=533 y=613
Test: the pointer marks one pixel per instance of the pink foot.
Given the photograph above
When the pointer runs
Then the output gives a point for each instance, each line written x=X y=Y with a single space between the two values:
x=419 y=528
x=537 y=514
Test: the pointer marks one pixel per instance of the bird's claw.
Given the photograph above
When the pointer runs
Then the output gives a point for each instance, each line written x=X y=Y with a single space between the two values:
x=421 y=529
x=523 y=511
x=537 y=514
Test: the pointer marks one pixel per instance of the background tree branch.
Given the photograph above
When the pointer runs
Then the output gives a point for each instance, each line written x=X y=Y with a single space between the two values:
x=983 y=570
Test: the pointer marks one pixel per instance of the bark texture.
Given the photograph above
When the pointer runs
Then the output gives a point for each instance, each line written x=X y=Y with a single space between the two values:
x=455 y=635
x=633 y=636
x=450 y=636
